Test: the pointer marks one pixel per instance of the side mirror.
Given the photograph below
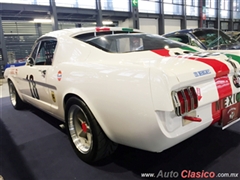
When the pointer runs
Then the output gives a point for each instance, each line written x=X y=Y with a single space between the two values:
x=30 y=61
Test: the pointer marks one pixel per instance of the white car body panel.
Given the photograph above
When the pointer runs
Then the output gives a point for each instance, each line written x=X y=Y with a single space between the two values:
x=129 y=93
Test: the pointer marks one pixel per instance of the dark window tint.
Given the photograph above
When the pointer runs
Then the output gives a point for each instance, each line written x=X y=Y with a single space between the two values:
x=122 y=43
x=87 y=36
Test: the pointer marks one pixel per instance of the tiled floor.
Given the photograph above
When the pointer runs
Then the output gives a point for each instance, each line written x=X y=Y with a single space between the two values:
x=3 y=88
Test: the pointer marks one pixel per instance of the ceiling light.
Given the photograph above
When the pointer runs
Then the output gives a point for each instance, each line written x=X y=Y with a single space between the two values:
x=42 y=20
x=107 y=22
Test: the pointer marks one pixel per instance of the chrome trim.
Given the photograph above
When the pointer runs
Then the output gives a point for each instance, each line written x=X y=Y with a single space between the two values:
x=42 y=84
x=191 y=96
x=196 y=97
x=185 y=100
x=176 y=103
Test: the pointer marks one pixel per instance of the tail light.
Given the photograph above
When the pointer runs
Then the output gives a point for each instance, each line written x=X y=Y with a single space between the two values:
x=185 y=100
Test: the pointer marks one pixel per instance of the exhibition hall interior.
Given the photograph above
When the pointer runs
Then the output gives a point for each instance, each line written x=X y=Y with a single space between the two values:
x=119 y=89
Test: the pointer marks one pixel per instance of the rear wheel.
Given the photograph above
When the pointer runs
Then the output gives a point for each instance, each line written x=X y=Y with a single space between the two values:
x=14 y=97
x=87 y=138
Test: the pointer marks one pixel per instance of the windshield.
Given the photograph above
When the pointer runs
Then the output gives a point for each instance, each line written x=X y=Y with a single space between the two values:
x=122 y=43
x=211 y=38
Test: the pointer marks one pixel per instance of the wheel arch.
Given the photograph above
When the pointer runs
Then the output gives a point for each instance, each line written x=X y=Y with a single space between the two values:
x=92 y=110
x=14 y=83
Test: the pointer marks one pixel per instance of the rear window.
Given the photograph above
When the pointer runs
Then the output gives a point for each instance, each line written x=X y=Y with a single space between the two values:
x=122 y=43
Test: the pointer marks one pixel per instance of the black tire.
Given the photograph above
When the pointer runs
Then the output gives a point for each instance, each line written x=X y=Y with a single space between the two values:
x=85 y=132
x=14 y=97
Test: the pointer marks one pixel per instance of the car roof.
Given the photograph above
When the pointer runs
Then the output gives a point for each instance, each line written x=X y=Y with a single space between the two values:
x=77 y=31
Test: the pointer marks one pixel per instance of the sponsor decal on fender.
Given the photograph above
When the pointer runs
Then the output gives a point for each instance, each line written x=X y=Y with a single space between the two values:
x=59 y=75
x=14 y=71
x=53 y=96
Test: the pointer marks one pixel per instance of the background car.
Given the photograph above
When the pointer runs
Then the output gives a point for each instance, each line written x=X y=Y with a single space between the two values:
x=234 y=34
x=207 y=39
x=113 y=85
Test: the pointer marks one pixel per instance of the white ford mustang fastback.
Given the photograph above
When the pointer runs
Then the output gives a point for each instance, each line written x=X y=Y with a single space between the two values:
x=120 y=86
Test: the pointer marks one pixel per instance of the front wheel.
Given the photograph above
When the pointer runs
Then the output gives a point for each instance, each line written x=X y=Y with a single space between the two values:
x=87 y=138
x=14 y=97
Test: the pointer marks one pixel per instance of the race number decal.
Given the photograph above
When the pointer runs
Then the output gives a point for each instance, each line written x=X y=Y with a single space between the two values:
x=32 y=86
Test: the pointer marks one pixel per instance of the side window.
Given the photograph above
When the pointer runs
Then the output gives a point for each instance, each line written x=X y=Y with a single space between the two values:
x=113 y=46
x=136 y=43
x=174 y=38
x=34 y=53
x=129 y=44
x=40 y=58
x=123 y=45
x=46 y=52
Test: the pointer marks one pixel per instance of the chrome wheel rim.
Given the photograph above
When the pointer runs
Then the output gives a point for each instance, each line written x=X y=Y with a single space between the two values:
x=79 y=129
x=12 y=93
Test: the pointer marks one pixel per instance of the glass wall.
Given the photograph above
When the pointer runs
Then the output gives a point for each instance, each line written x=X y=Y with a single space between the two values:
x=192 y=8
x=88 y=4
x=115 y=5
x=38 y=2
x=42 y=2
x=19 y=38
x=173 y=7
x=68 y=3
x=224 y=8
x=18 y=1
x=211 y=8
x=147 y=6
x=236 y=9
